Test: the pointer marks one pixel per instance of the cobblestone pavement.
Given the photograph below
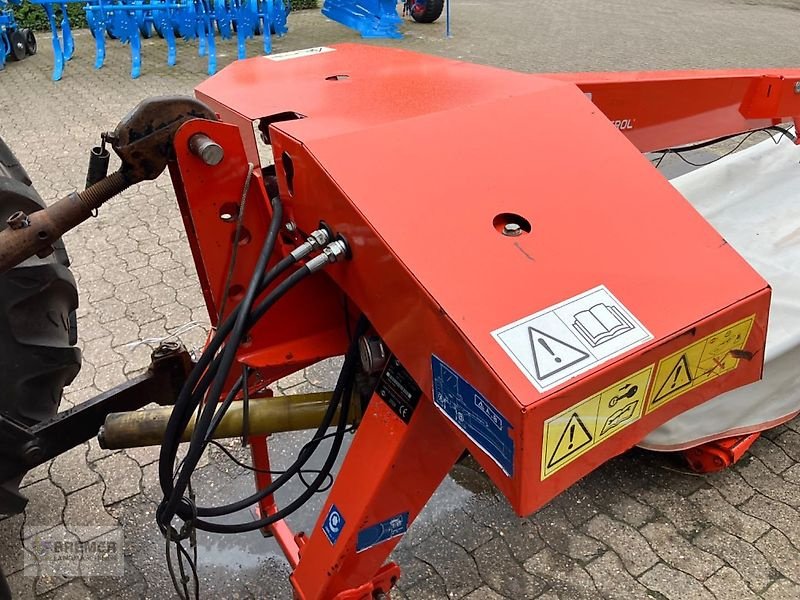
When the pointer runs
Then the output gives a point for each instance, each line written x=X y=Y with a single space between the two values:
x=638 y=527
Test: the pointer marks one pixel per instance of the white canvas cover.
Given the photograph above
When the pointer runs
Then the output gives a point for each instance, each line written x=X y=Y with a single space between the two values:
x=752 y=198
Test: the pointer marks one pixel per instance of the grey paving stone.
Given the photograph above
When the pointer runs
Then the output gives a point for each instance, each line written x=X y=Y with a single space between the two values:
x=731 y=485
x=486 y=593
x=565 y=575
x=71 y=472
x=120 y=475
x=782 y=590
x=771 y=454
x=460 y=528
x=74 y=590
x=744 y=558
x=674 y=508
x=559 y=534
x=45 y=504
x=627 y=543
x=768 y=483
x=85 y=509
x=727 y=584
x=713 y=507
x=781 y=516
x=674 y=584
x=415 y=571
x=612 y=579
x=503 y=574
x=11 y=552
x=781 y=554
x=678 y=552
x=452 y=563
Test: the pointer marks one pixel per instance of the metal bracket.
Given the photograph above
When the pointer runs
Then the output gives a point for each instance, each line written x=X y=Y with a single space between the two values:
x=26 y=447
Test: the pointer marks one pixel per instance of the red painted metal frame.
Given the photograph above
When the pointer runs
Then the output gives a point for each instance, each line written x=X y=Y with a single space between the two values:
x=719 y=454
x=427 y=261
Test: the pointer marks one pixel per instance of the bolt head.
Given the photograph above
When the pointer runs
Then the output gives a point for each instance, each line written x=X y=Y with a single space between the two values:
x=797 y=87
x=512 y=229
x=212 y=154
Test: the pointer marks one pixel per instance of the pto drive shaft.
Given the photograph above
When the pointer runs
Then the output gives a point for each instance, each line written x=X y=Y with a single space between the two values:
x=264 y=416
x=143 y=142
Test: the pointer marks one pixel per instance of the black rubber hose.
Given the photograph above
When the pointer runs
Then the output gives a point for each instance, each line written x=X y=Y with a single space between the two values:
x=173 y=495
x=174 y=428
x=342 y=394
x=199 y=380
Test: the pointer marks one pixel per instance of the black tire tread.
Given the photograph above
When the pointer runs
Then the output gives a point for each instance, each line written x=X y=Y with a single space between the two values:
x=433 y=10
x=38 y=299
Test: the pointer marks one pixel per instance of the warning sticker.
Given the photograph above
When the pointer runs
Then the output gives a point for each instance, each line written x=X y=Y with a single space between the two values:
x=562 y=341
x=698 y=363
x=576 y=430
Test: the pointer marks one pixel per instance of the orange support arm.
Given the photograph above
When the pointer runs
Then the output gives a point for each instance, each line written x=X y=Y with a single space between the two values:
x=664 y=109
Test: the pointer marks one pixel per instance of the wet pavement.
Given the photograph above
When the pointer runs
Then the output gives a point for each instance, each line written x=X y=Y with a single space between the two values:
x=639 y=527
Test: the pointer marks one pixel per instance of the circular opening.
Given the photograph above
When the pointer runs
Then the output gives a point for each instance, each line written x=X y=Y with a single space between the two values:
x=244 y=237
x=236 y=292
x=42 y=235
x=511 y=224
x=337 y=77
x=228 y=212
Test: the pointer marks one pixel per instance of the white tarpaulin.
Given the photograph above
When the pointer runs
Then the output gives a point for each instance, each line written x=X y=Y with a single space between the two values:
x=753 y=199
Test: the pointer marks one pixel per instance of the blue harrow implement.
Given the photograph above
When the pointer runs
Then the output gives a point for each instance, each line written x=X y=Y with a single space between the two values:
x=15 y=43
x=131 y=20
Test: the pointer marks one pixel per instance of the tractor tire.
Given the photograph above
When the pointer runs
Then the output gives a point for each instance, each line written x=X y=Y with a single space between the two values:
x=17 y=40
x=431 y=11
x=38 y=327
x=30 y=42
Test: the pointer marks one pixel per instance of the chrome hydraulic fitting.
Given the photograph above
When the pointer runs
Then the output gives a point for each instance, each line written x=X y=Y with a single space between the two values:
x=333 y=252
x=316 y=239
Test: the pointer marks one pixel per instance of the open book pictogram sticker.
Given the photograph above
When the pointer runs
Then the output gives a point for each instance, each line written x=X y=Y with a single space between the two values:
x=601 y=323
x=552 y=355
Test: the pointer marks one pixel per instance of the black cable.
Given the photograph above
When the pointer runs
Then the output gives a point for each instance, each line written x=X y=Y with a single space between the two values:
x=680 y=150
x=198 y=381
x=343 y=393
x=301 y=474
x=342 y=385
x=172 y=496
x=190 y=395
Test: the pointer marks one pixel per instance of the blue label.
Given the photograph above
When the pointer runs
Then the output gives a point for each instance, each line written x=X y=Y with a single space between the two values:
x=473 y=414
x=380 y=532
x=333 y=525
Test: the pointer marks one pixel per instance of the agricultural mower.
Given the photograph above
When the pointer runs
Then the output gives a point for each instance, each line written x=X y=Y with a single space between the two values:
x=15 y=43
x=540 y=313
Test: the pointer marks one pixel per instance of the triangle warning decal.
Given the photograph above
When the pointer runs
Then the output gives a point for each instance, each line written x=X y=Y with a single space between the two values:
x=574 y=438
x=552 y=355
x=677 y=379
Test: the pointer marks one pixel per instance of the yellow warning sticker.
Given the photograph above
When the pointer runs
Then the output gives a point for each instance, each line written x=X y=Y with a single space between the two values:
x=581 y=427
x=699 y=363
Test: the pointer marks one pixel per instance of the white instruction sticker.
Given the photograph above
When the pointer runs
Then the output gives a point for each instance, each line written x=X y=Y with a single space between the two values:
x=299 y=53
x=562 y=341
